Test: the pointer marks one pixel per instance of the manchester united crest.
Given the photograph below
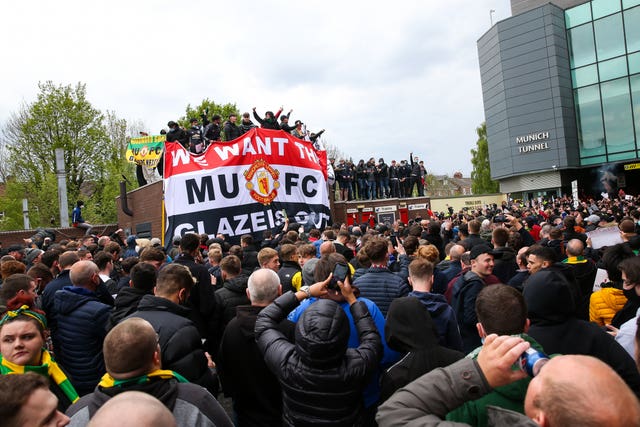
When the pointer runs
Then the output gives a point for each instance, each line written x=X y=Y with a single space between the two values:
x=262 y=182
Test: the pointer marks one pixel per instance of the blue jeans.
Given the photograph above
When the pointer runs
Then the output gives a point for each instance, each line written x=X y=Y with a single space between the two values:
x=362 y=188
x=384 y=187
x=371 y=190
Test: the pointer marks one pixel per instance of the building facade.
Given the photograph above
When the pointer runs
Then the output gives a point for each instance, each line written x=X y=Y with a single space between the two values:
x=561 y=89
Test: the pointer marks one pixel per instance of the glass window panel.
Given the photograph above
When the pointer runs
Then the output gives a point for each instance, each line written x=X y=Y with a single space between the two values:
x=589 y=119
x=613 y=68
x=585 y=76
x=618 y=120
x=578 y=15
x=634 y=63
x=604 y=7
x=622 y=156
x=582 y=50
x=635 y=97
x=632 y=29
x=630 y=3
x=609 y=37
x=593 y=160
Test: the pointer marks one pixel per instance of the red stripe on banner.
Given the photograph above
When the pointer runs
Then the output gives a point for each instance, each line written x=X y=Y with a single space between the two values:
x=272 y=146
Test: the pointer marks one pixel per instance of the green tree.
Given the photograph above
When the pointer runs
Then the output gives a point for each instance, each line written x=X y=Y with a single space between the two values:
x=62 y=117
x=106 y=184
x=481 y=181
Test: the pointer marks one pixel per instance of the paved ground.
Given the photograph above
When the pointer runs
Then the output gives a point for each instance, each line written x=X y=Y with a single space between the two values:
x=226 y=404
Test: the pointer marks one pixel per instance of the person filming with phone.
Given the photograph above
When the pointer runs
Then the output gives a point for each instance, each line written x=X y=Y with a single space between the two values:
x=322 y=376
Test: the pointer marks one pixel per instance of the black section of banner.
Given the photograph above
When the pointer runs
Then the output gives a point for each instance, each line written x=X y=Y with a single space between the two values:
x=254 y=219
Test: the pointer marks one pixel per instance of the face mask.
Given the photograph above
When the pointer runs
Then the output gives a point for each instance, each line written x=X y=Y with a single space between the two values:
x=631 y=295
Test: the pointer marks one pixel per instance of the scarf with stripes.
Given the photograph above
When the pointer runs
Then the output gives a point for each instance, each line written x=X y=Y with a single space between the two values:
x=108 y=381
x=49 y=368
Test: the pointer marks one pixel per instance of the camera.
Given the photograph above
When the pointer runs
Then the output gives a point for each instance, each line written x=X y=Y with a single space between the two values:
x=498 y=219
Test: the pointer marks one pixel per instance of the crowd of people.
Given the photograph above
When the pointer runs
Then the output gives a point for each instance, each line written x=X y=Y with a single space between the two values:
x=379 y=180
x=393 y=324
x=201 y=133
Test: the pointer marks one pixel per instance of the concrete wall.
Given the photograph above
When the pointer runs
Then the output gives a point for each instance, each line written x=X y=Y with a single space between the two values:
x=520 y=6
x=526 y=86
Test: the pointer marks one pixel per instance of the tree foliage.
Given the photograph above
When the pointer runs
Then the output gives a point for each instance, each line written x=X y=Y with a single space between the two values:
x=93 y=144
x=481 y=181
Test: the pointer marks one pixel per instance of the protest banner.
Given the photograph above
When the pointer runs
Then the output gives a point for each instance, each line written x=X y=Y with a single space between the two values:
x=607 y=236
x=245 y=186
x=145 y=151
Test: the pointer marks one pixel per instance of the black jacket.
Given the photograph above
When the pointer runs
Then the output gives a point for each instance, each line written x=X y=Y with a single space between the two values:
x=232 y=294
x=286 y=273
x=212 y=132
x=256 y=393
x=231 y=131
x=551 y=308
x=410 y=329
x=246 y=126
x=178 y=135
x=505 y=266
x=201 y=298
x=322 y=381
x=267 y=123
x=463 y=301
x=180 y=343
x=249 y=259
x=126 y=303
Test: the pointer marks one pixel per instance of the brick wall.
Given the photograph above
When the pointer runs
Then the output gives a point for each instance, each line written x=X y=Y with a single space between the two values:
x=9 y=238
x=146 y=204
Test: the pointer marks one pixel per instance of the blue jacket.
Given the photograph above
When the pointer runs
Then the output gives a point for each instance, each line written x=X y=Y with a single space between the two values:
x=389 y=357
x=381 y=286
x=76 y=215
x=82 y=321
x=452 y=271
x=443 y=317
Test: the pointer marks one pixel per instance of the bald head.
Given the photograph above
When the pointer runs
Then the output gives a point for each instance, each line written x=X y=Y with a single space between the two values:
x=456 y=252
x=141 y=409
x=327 y=248
x=84 y=274
x=263 y=287
x=581 y=390
x=130 y=349
x=575 y=247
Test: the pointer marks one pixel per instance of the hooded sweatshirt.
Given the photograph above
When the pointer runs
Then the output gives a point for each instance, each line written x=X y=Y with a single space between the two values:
x=410 y=329
x=190 y=404
x=551 y=307
x=444 y=319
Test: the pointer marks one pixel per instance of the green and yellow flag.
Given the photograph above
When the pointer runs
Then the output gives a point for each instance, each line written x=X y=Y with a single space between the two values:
x=146 y=150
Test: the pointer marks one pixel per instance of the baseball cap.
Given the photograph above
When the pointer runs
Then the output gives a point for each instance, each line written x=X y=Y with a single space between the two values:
x=478 y=250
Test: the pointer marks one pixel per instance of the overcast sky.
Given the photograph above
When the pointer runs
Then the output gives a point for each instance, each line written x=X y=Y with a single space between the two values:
x=383 y=78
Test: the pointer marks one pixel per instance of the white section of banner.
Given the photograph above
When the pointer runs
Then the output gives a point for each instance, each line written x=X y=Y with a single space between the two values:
x=227 y=186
